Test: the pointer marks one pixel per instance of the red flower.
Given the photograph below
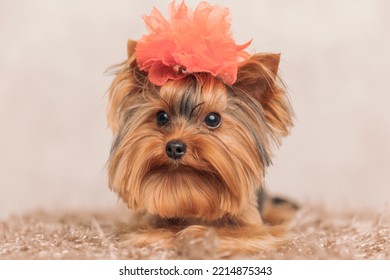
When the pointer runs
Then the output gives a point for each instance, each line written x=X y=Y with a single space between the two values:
x=191 y=42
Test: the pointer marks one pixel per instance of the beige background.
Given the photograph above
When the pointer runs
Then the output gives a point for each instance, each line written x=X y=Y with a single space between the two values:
x=54 y=139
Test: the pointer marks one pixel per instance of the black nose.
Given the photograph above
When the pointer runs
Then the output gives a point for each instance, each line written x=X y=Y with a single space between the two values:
x=175 y=149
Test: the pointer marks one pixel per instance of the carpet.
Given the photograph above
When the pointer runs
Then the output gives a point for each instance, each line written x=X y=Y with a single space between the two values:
x=316 y=233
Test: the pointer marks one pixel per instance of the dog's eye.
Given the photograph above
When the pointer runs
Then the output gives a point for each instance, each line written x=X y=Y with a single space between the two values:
x=162 y=118
x=212 y=120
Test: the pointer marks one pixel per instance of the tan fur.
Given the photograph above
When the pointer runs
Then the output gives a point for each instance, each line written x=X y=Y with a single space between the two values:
x=214 y=186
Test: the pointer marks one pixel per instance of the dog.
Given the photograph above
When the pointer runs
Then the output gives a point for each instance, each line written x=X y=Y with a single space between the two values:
x=194 y=128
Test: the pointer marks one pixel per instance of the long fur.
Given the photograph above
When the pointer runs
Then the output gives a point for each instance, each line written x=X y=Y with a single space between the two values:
x=216 y=183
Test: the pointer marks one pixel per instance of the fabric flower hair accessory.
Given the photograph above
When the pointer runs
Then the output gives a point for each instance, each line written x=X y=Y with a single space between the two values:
x=189 y=42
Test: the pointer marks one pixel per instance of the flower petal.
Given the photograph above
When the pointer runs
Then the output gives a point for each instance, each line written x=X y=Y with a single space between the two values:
x=200 y=41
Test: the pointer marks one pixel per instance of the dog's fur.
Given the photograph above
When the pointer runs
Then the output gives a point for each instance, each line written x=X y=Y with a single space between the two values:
x=218 y=183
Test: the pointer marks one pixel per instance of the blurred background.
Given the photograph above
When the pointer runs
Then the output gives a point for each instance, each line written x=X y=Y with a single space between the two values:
x=54 y=140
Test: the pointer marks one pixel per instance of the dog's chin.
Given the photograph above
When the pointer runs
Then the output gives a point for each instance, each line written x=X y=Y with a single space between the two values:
x=185 y=192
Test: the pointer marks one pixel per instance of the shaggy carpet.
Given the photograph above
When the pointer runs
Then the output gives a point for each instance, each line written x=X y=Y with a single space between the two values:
x=316 y=233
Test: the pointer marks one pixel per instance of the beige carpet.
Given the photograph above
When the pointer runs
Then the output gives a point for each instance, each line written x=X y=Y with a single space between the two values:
x=316 y=233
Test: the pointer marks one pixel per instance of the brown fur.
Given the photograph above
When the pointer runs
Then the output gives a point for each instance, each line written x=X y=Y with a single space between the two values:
x=214 y=186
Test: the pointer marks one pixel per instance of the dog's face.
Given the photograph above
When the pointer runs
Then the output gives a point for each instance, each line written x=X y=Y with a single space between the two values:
x=194 y=147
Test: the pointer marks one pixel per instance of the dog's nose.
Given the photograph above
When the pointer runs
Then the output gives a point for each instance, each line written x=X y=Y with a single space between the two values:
x=175 y=149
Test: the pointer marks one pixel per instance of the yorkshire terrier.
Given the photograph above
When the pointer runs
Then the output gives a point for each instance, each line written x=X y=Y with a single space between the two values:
x=194 y=119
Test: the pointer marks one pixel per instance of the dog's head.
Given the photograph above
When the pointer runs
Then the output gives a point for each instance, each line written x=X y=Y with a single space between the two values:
x=194 y=147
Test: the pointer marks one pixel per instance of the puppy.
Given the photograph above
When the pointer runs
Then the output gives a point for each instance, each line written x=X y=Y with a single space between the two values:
x=194 y=119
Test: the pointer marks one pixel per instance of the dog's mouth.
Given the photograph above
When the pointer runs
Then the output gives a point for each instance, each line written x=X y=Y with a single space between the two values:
x=185 y=171
x=173 y=168
x=183 y=191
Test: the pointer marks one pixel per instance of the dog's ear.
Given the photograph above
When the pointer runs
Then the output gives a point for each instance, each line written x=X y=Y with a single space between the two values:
x=131 y=44
x=257 y=77
x=129 y=82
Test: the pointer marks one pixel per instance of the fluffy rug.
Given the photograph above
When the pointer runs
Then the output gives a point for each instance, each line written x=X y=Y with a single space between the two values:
x=316 y=233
